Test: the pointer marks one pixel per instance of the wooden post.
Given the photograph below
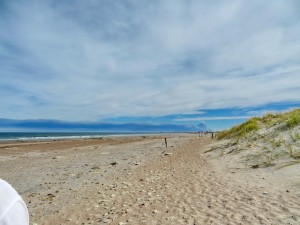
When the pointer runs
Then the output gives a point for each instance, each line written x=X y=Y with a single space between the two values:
x=212 y=135
x=166 y=143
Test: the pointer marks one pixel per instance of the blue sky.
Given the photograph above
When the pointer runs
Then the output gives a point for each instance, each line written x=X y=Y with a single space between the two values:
x=155 y=62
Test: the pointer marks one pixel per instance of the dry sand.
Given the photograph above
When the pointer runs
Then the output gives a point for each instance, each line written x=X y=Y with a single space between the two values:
x=136 y=180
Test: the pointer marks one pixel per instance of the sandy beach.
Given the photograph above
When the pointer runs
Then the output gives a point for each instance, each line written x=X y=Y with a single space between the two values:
x=137 y=180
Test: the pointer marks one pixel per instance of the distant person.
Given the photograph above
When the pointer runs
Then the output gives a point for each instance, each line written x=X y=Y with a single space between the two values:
x=13 y=210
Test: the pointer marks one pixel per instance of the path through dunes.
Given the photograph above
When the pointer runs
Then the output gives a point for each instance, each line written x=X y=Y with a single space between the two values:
x=179 y=188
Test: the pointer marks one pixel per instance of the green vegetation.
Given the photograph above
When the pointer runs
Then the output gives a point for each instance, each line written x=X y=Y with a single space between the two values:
x=294 y=154
x=291 y=118
x=290 y=163
x=270 y=140
x=294 y=119
x=295 y=137
x=276 y=143
x=270 y=118
x=240 y=130
x=266 y=157
x=288 y=120
x=290 y=150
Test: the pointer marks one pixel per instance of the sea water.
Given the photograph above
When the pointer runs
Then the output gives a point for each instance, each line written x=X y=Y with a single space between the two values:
x=23 y=136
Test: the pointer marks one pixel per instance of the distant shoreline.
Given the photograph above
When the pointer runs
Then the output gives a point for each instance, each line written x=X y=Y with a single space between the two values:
x=11 y=137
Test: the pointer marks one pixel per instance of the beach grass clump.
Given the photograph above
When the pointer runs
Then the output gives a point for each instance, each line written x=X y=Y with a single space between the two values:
x=286 y=120
x=270 y=118
x=295 y=137
x=267 y=141
x=290 y=119
x=293 y=119
x=240 y=130
x=289 y=163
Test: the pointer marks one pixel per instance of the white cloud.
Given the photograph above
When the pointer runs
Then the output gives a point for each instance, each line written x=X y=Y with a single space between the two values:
x=96 y=59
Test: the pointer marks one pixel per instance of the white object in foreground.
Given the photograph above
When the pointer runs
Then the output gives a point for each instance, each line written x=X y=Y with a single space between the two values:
x=13 y=210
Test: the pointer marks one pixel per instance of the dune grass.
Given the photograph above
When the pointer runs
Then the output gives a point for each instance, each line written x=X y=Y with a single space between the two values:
x=270 y=118
x=294 y=119
x=295 y=137
x=288 y=120
x=240 y=130
x=276 y=142
x=290 y=163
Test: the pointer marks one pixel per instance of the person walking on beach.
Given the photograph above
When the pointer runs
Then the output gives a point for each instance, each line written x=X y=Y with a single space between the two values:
x=13 y=210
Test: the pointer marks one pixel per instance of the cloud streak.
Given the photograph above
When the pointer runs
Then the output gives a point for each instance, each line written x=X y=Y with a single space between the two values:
x=90 y=60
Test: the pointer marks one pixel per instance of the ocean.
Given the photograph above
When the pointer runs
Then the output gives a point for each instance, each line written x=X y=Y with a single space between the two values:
x=24 y=136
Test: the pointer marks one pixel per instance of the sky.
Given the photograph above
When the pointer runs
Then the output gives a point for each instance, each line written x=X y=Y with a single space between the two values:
x=189 y=63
